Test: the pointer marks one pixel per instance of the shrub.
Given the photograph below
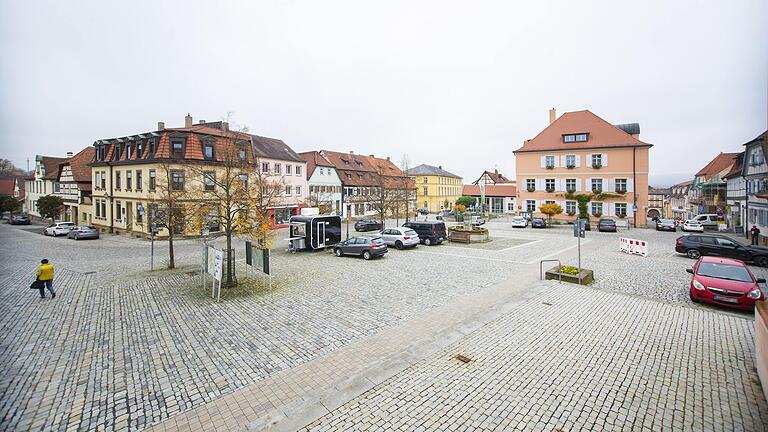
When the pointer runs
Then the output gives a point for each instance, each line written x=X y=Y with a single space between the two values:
x=550 y=210
x=571 y=270
x=466 y=201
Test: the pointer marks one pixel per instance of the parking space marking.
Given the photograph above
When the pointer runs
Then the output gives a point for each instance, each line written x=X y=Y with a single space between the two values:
x=530 y=243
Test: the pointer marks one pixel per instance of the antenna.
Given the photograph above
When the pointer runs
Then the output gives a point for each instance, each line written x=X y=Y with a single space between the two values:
x=27 y=164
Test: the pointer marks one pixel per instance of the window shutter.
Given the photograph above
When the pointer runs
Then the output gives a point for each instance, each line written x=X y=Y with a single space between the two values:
x=543 y=161
x=605 y=159
x=556 y=160
x=609 y=185
x=608 y=209
x=578 y=185
x=539 y=184
x=559 y=184
x=563 y=162
x=588 y=186
x=578 y=161
x=630 y=185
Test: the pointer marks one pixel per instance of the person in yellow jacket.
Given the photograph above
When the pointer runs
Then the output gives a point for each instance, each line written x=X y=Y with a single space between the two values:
x=45 y=274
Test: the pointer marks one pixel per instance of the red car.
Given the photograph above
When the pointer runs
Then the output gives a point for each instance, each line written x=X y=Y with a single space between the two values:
x=725 y=282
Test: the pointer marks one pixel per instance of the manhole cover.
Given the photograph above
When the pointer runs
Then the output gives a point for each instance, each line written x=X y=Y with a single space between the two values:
x=462 y=358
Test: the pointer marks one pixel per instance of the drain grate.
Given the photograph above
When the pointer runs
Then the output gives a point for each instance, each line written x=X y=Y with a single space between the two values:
x=462 y=358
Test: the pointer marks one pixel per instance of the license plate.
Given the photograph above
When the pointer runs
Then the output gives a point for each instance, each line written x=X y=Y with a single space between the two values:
x=726 y=299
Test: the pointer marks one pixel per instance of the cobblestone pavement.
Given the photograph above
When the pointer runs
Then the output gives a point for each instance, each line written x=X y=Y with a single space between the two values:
x=576 y=359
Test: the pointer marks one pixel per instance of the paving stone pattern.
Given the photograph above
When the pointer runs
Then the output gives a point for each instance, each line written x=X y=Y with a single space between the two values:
x=591 y=361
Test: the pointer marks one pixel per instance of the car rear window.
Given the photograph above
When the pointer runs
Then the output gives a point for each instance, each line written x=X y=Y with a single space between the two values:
x=724 y=271
x=377 y=241
x=410 y=232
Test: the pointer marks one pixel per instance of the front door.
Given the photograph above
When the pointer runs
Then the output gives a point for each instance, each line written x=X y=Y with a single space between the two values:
x=321 y=235
x=129 y=215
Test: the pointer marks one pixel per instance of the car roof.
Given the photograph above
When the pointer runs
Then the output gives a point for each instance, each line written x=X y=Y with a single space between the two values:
x=719 y=260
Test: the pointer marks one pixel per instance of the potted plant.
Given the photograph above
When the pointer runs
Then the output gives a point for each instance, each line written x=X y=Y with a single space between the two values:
x=597 y=190
x=531 y=189
x=597 y=215
x=550 y=189
x=550 y=166
x=597 y=165
x=571 y=213
x=571 y=166
x=621 y=191
x=621 y=215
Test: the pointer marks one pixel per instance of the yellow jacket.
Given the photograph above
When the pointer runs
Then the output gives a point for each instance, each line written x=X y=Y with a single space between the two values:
x=45 y=272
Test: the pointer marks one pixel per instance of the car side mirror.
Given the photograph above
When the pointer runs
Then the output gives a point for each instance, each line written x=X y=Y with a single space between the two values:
x=760 y=280
x=689 y=271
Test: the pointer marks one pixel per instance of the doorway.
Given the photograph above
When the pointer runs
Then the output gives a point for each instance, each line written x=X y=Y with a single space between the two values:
x=129 y=215
x=320 y=234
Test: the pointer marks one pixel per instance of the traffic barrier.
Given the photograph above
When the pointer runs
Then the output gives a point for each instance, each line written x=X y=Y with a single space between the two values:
x=633 y=246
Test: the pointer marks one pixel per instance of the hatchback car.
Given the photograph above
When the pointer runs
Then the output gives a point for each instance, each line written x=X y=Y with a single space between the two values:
x=696 y=245
x=19 y=220
x=83 y=232
x=606 y=225
x=430 y=232
x=367 y=225
x=519 y=222
x=477 y=220
x=58 y=228
x=364 y=246
x=400 y=238
x=726 y=282
x=666 y=225
x=693 y=225
x=538 y=222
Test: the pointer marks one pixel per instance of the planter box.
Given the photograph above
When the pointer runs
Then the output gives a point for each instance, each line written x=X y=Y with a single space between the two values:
x=585 y=277
x=478 y=236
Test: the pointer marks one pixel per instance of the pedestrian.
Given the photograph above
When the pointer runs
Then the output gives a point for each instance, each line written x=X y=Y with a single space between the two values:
x=45 y=275
x=755 y=231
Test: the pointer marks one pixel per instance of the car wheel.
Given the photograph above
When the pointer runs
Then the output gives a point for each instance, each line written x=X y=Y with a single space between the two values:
x=77 y=237
x=428 y=241
x=338 y=252
x=762 y=261
x=366 y=255
x=692 y=254
x=399 y=244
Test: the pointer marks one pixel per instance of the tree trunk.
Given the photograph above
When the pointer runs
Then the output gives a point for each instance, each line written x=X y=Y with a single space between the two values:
x=171 y=259
x=229 y=258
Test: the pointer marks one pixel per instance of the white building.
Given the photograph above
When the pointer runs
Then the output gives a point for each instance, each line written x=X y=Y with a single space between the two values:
x=736 y=196
x=324 y=184
x=278 y=162
x=678 y=200
x=43 y=182
x=755 y=171
x=499 y=198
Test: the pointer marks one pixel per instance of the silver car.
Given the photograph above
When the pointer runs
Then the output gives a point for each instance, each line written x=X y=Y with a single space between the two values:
x=400 y=238
x=58 y=228
x=83 y=232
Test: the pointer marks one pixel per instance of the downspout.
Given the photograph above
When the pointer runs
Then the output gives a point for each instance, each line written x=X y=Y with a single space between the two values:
x=634 y=187
x=111 y=203
x=745 y=222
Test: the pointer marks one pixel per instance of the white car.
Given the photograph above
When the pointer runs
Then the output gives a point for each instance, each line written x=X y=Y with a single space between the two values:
x=58 y=228
x=477 y=220
x=400 y=238
x=693 y=225
x=519 y=222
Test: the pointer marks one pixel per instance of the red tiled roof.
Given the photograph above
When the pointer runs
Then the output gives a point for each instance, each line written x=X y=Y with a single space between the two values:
x=7 y=186
x=735 y=170
x=500 y=190
x=495 y=176
x=314 y=159
x=359 y=170
x=51 y=165
x=601 y=134
x=78 y=163
x=717 y=165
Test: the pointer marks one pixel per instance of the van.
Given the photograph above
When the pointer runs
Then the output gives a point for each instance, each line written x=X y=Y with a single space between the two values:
x=430 y=232
x=708 y=220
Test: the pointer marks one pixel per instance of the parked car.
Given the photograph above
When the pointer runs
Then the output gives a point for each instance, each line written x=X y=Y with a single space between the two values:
x=83 y=232
x=726 y=282
x=58 y=228
x=519 y=222
x=430 y=232
x=708 y=220
x=422 y=211
x=400 y=238
x=478 y=220
x=19 y=220
x=606 y=225
x=693 y=225
x=445 y=213
x=666 y=225
x=696 y=245
x=538 y=222
x=367 y=225
x=364 y=246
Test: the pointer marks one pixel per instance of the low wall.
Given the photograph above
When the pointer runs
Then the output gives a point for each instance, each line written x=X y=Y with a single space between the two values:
x=761 y=344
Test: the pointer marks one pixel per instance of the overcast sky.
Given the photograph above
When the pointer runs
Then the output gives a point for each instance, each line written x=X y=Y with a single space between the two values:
x=457 y=84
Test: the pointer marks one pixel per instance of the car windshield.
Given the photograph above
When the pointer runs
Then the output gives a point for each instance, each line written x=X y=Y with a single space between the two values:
x=666 y=221
x=724 y=271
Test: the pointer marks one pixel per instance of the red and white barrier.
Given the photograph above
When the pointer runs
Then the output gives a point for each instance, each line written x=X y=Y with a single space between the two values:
x=633 y=247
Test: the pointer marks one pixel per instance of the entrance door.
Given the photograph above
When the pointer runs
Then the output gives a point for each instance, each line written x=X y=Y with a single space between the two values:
x=321 y=235
x=129 y=215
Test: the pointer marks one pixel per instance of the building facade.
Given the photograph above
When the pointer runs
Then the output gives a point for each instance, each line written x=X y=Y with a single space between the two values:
x=279 y=163
x=492 y=177
x=580 y=156
x=73 y=186
x=678 y=201
x=499 y=198
x=324 y=184
x=755 y=173
x=436 y=188
x=657 y=203
x=736 y=196
x=41 y=183
x=708 y=191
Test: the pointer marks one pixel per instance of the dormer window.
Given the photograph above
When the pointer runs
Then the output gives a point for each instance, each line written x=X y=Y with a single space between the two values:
x=241 y=154
x=208 y=151
x=580 y=137
x=139 y=149
x=177 y=148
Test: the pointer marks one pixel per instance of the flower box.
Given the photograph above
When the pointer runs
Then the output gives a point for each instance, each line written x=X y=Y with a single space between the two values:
x=584 y=277
x=597 y=165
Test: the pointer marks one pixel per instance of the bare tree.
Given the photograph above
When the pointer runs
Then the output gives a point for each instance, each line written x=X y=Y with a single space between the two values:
x=405 y=194
x=320 y=197
x=169 y=204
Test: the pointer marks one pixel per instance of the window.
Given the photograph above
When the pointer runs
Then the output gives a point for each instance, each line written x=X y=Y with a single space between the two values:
x=103 y=208
x=597 y=160
x=570 y=185
x=550 y=161
x=152 y=179
x=265 y=167
x=241 y=155
x=128 y=180
x=569 y=138
x=621 y=185
x=298 y=170
x=288 y=170
x=549 y=202
x=209 y=180
x=177 y=148
x=550 y=185
x=117 y=180
x=570 y=207
x=139 y=215
x=580 y=137
x=426 y=180
x=129 y=151
x=138 y=180
x=530 y=185
x=530 y=206
x=597 y=208
x=597 y=185
x=56 y=187
x=98 y=208
x=620 y=209
x=152 y=146
x=118 y=211
x=570 y=161
x=288 y=190
x=277 y=168
x=208 y=150
x=139 y=152
x=426 y=191
x=177 y=180
x=510 y=206
x=244 y=180
x=298 y=190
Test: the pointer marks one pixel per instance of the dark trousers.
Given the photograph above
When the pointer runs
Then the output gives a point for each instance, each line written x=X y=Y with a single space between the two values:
x=754 y=239
x=49 y=285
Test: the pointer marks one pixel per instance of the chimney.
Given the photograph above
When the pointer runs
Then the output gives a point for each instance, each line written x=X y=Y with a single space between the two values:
x=160 y=126
x=387 y=158
x=70 y=154
x=225 y=126
x=201 y=122
x=496 y=171
x=188 y=121
x=372 y=156
x=552 y=116
x=351 y=152
x=439 y=167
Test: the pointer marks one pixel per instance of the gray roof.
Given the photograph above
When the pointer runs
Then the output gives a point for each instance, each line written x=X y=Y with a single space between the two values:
x=425 y=169
x=630 y=128
x=274 y=148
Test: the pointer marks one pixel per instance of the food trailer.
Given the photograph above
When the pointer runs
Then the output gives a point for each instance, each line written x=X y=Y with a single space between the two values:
x=312 y=232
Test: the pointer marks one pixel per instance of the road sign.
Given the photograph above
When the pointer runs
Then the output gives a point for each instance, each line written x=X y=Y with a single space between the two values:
x=580 y=228
x=140 y=209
